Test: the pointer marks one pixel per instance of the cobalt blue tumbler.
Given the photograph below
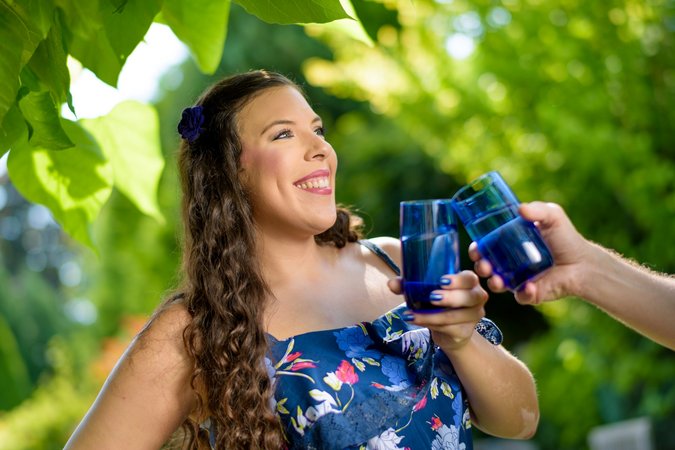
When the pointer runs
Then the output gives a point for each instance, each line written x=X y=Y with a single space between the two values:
x=429 y=243
x=489 y=211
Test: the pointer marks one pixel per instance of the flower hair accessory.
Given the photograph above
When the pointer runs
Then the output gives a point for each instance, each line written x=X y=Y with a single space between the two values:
x=190 y=125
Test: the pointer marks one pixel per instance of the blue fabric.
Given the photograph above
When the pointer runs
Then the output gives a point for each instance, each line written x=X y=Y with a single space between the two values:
x=373 y=385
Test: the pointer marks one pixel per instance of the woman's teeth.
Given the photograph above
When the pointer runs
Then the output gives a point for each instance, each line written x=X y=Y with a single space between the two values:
x=315 y=183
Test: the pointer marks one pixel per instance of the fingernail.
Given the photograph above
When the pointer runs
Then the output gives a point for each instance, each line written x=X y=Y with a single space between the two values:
x=408 y=317
x=435 y=297
x=446 y=281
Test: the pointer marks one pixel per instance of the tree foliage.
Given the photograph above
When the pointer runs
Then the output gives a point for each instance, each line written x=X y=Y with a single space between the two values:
x=72 y=166
x=572 y=103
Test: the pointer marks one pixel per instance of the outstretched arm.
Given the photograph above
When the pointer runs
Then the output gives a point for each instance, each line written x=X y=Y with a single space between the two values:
x=147 y=396
x=500 y=388
x=638 y=297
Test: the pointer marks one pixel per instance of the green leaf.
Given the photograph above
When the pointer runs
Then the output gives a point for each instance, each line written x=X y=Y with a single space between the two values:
x=87 y=39
x=129 y=137
x=22 y=26
x=127 y=22
x=82 y=19
x=42 y=115
x=96 y=54
x=74 y=183
x=12 y=129
x=202 y=26
x=352 y=27
x=49 y=65
x=295 y=11
x=374 y=15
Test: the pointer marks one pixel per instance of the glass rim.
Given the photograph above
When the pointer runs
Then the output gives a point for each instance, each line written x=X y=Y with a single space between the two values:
x=425 y=201
x=461 y=196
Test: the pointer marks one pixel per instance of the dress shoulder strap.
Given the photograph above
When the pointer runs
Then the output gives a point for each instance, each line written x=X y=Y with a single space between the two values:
x=382 y=254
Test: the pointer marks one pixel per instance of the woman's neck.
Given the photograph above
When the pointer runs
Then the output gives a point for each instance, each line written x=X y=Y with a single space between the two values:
x=287 y=258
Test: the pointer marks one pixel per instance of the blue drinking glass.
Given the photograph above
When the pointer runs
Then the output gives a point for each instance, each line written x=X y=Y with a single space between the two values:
x=429 y=243
x=489 y=211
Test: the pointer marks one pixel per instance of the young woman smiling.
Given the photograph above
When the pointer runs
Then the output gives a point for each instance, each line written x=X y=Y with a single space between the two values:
x=288 y=331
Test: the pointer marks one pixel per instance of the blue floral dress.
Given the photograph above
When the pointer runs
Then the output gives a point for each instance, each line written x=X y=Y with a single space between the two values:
x=373 y=385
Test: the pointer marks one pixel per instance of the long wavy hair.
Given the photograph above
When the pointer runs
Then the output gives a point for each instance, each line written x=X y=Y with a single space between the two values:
x=223 y=288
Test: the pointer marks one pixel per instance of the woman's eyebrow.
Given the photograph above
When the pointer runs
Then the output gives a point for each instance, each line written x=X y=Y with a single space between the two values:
x=285 y=122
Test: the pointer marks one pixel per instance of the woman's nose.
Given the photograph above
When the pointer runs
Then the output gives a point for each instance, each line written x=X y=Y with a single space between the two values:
x=318 y=148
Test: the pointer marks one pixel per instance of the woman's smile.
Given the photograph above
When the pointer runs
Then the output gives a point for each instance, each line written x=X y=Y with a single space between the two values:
x=317 y=182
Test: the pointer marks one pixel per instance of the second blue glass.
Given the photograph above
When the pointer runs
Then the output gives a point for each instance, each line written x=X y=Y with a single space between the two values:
x=489 y=211
x=429 y=243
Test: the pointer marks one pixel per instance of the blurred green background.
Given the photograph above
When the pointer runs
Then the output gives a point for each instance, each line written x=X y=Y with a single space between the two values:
x=571 y=101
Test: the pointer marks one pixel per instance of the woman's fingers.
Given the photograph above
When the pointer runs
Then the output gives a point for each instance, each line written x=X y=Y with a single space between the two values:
x=465 y=279
x=395 y=286
x=450 y=317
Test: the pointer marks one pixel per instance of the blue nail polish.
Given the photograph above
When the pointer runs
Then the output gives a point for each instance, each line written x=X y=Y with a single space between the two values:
x=446 y=281
x=435 y=297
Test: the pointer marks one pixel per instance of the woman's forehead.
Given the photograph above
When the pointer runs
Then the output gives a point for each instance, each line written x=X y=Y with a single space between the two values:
x=272 y=104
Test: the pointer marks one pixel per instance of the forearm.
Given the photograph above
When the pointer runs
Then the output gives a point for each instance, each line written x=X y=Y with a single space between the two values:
x=641 y=299
x=500 y=389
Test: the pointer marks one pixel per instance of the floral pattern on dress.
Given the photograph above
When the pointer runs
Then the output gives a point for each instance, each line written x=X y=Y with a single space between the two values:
x=375 y=385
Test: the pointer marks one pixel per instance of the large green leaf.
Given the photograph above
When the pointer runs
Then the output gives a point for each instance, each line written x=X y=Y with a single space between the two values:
x=41 y=113
x=96 y=54
x=202 y=26
x=74 y=183
x=22 y=26
x=129 y=137
x=126 y=22
x=295 y=11
x=82 y=19
x=87 y=39
x=12 y=129
x=49 y=65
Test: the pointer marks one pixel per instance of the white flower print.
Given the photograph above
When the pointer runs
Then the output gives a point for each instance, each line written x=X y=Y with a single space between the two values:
x=434 y=388
x=415 y=342
x=447 y=439
x=326 y=405
x=466 y=420
x=333 y=381
x=388 y=440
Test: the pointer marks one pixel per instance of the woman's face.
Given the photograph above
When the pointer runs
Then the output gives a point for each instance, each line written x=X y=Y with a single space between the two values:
x=288 y=166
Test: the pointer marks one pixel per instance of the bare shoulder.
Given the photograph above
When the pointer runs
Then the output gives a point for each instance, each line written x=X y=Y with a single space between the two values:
x=391 y=245
x=166 y=326
x=148 y=393
x=158 y=350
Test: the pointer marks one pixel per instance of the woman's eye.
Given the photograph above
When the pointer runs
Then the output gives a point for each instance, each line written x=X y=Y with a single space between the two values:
x=320 y=131
x=283 y=134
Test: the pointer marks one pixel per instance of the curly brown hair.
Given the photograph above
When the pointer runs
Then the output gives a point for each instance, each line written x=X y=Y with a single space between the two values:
x=223 y=288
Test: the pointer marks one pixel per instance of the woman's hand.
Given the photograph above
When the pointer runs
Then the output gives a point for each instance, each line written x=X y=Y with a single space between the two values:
x=464 y=299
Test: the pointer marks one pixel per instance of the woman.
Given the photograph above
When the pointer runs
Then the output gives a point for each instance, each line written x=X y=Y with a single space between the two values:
x=259 y=348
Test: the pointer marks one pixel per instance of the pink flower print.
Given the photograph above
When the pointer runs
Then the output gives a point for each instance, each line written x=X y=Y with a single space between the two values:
x=436 y=423
x=345 y=373
x=302 y=365
x=421 y=404
x=293 y=356
x=292 y=363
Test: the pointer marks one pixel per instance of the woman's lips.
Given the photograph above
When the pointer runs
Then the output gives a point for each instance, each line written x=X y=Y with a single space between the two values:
x=317 y=182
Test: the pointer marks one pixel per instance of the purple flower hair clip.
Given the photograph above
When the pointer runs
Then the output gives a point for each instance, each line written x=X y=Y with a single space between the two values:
x=190 y=125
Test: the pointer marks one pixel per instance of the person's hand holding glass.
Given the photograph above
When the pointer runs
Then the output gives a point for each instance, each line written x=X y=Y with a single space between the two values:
x=513 y=245
x=448 y=302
